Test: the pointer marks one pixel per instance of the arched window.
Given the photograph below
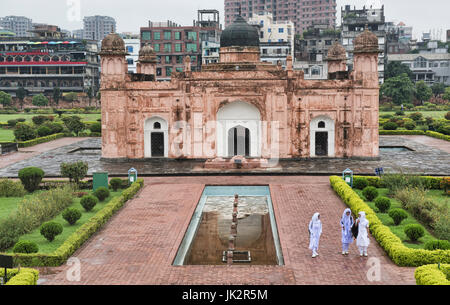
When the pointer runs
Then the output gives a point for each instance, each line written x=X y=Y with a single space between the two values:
x=55 y=58
x=27 y=58
x=2 y=59
x=36 y=58
x=9 y=59
x=321 y=124
x=157 y=125
x=46 y=58
x=19 y=58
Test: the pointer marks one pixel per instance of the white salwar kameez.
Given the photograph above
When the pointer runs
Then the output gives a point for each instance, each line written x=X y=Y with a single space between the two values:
x=362 y=241
x=315 y=230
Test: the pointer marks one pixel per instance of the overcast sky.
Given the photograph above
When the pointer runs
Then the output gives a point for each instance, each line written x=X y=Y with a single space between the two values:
x=133 y=14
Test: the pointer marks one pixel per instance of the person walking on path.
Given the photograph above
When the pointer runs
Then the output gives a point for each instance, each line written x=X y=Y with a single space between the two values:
x=346 y=225
x=315 y=230
x=362 y=241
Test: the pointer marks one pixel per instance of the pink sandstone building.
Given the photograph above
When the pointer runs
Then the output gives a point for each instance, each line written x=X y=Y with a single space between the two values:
x=240 y=106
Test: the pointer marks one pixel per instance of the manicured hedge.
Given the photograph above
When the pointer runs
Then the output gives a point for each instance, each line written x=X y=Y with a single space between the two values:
x=25 y=276
x=432 y=275
x=437 y=135
x=399 y=253
x=83 y=233
x=41 y=140
x=432 y=183
x=401 y=132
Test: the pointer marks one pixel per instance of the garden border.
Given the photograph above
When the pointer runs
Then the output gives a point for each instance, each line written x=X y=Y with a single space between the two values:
x=399 y=253
x=431 y=275
x=22 y=277
x=430 y=182
x=428 y=133
x=83 y=233
x=40 y=140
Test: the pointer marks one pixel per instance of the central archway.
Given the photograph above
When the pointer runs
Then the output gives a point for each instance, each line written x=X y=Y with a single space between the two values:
x=238 y=130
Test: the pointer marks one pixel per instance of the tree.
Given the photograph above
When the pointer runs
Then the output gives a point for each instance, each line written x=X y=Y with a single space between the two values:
x=71 y=97
x=40 y=100
x=423 y=92
x=56 y=95
x=5 y=99
x=21 y=93
x=446 y=95
x=90 y=94
x=438 y=89
x=400 y=89
x=395 y=68
x=74 y=171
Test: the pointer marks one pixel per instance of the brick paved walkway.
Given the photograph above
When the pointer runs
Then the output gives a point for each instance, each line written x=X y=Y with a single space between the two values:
x=30 y=152
x=140 y=242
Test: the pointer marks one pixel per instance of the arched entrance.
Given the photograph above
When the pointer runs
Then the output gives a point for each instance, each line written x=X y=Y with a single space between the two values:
x=238 y=130
x=322 y=137
x=239 y=141
x=156 y=138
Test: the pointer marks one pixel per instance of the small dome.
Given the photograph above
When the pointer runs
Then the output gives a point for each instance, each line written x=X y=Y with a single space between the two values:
x=367 y=42
x=147 y=54
x=337 y=52
x=113 y=44
x=240 y=34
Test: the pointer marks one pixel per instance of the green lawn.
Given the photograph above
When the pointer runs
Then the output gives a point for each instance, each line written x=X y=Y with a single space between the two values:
x=85 y=117
x=6 y=135
x=399 y=230
x=7 y=205
x=433 y=114
x=48 y=247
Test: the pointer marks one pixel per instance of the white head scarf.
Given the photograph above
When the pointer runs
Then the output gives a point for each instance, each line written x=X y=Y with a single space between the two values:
x=315 y=217
x=346 y=220
x=362 y=218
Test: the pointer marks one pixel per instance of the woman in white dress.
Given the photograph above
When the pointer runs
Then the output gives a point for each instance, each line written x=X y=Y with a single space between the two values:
x=315 y=230
x=346 y=225
x=362 y=241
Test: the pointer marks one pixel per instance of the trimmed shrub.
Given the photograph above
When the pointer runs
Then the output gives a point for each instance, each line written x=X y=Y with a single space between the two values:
x=10 y=188
x=432 y=274
x=447 y=116
x=50 y=230
x=360 y=183
x=55 y=127
x=12 y=123
x=71 y=215
x=414 y=231
x=44 y=131
x=24 y=132
x=115 y=183
x=101 y=193
x=399 y=112
x=390 y=126
x=21 y=120
x=437 y=245
x=88 y=202
x=397 y=215
x=416 y=116
x=383 y=204
x=74 y=171
x=370 y=193
x=31 y=177
x=22 y=277
x=25 y=246
x=96 y=127
x=41 y=140
x=410 y=125
x=39 y=119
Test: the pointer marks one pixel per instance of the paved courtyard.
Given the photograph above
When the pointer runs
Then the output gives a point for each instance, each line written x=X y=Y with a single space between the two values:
x=140 y=242
x=428 y=156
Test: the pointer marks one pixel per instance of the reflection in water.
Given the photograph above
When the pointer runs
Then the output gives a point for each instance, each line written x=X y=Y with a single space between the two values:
x=254 y=232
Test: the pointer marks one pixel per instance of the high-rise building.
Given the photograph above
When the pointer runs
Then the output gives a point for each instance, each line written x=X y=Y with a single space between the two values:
x=21 y=26
x=172 y=42
x=132 y=47
x=97 y=27
x=353 y=23
x=302 y=13
x=398 y=38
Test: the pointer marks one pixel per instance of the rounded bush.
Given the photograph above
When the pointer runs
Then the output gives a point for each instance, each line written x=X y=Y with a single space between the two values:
x=360 y=183
x=399 y=112
x=10 y=188
x=12 y=123
x=25 y=246
x=24 y=132
x=88 y=202
x=50 y=229
x=21 y=120
x=101 y=193
x=96 y=127
x=44 y=131
x=437 y=245
x=31 y=177
x=416 y=116
x=410 y=125
x=447 y=116
x=383 y=204
x=370 y=193
x=397 y=215
x=71 y=215
x=414 y=231
x=390 y=126
x=116 y=183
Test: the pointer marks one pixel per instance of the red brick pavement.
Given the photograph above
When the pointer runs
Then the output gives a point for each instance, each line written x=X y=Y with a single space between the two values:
x=140 y=242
